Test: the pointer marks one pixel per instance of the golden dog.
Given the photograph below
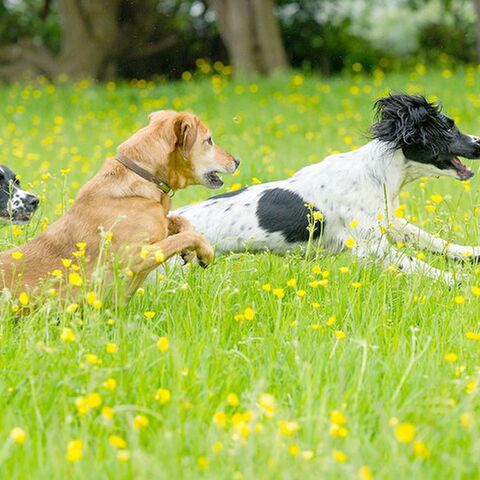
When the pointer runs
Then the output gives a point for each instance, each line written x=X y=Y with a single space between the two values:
x=128 y=198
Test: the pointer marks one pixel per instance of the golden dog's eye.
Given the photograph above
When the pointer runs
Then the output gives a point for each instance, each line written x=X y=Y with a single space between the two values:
x=209 y=140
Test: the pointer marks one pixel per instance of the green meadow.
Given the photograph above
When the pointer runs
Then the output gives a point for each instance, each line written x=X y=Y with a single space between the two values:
x=260 y=366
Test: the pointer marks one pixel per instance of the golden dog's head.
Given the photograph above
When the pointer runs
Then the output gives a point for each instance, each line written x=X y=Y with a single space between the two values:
x=178 y=147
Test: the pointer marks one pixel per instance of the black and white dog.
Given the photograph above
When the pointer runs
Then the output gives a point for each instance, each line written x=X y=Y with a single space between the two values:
x=16 y=205
x=354 y=193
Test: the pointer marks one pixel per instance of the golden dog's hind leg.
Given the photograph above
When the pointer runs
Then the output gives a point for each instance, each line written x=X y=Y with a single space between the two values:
x=159 y=252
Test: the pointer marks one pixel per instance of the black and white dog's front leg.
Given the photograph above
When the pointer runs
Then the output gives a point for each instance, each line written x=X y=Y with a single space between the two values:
x=403 y=231
x=382 y=251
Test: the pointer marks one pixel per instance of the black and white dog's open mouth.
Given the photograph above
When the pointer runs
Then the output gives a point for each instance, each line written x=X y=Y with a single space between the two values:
x=16 y=218
x=463 y=172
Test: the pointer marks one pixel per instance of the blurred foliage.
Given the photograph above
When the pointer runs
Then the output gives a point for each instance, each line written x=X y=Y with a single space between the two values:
x=28 y=19
x=323 y=35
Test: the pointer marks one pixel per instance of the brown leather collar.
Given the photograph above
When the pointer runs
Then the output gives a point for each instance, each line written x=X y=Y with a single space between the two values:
x=141 y=172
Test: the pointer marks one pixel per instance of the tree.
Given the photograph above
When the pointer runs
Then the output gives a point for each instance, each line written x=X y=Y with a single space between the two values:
x=95 y=37
x=251 y=34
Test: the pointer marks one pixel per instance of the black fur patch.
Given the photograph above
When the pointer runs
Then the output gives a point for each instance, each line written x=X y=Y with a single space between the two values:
x=282 y=211
x=228 y=194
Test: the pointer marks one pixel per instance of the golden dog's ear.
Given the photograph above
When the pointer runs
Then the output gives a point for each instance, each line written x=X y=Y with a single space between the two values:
x=186 y=130
x=177 y=130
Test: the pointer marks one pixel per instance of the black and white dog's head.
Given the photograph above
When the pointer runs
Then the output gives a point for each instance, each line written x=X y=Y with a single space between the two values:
x=428 y=139
x=16 y=205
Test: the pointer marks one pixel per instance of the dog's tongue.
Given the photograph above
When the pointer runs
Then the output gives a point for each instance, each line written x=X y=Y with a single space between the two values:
x=463 y=171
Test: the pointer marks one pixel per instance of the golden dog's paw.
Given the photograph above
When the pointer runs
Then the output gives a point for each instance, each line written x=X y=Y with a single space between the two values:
x=205 y=254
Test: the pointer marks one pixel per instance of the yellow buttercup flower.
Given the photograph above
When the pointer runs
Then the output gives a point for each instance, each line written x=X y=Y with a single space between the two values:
x=91 y=297
x=339 y=456
x=24 y=299
x=288 y=429
x=365 y=473
x=67 y=335
x=109 y=384
x=405 y=432
x=140 y=421
x=72 y=308
x=93 y=359
x=350 y=242
x=475 y=291
x=18 y=435
x=75 y=279
x=472 y=335
x=162 y=396
x=233 y=400
x=421 y=450
x=220 y=419
x=202 y=463
x=107 y=413
x=163 y=344
x=293 y=449
x=217 y=447
x=117 y=441
x=266 y=402
x=451 y=357
x=249 y=313
x=279 y=292
x=467 y=420
x=17 y=255
x=74 y=451
x=331 y=320
x=338 y=418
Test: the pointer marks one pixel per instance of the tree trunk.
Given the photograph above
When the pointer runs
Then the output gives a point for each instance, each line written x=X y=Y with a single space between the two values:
x=476 y=3
x=89 y=35
x=95 y=37
x=272 y=51
x=250 y=32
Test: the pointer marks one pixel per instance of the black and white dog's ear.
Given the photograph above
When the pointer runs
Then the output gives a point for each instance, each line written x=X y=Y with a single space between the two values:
x=408 y=120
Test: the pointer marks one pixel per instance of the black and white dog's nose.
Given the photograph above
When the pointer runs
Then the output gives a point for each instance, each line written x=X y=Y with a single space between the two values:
x=31 y=201
x=237 y=162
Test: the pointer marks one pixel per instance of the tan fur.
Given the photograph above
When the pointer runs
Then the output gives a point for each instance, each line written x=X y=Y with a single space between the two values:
x=173 y=147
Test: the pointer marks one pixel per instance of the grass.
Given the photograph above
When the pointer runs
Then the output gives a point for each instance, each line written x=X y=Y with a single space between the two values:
x=258 y=397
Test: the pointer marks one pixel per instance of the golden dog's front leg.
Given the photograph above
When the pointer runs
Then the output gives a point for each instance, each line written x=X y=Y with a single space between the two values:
x=178 y=224
x=179 y=244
